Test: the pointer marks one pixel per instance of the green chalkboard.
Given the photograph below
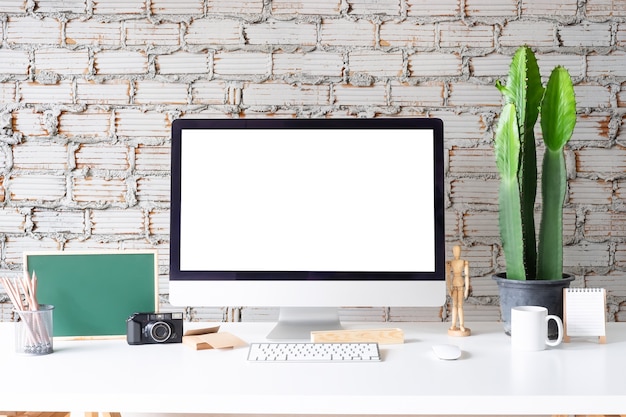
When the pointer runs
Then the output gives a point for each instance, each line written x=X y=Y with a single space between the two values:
x=93 y=293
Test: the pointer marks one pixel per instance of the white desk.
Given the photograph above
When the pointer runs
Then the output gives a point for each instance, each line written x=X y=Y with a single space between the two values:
x=581 y=377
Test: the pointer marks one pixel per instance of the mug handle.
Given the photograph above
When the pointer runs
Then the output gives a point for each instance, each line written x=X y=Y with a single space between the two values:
x=559 y=325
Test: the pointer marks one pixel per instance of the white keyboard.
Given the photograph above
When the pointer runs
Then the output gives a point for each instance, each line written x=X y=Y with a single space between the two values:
x=313 y=352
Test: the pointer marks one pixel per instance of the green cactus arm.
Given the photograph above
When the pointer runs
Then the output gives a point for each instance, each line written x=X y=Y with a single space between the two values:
x=524 y=89
x=507 y=149
x=558 y=118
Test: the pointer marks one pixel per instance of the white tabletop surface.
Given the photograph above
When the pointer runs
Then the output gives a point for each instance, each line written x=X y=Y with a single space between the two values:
x=581 y=377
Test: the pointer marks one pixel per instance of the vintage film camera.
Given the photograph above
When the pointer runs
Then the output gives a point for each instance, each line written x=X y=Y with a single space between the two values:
x=146 y=328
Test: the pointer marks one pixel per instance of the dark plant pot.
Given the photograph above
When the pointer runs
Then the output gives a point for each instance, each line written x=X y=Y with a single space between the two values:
x=545 y=293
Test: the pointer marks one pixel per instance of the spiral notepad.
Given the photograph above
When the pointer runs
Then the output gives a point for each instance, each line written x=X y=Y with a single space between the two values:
x=584 y=312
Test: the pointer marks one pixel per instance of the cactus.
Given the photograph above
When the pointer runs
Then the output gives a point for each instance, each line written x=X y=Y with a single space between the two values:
x=525 y=98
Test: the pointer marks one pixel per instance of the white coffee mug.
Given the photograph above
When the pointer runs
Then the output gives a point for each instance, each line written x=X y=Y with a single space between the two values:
x=529 y=328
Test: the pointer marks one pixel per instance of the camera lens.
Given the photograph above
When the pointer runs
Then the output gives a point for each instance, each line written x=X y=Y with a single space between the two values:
x=159 y=331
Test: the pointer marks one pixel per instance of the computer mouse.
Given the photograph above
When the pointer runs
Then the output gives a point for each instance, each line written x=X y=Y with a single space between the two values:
x=447 y=352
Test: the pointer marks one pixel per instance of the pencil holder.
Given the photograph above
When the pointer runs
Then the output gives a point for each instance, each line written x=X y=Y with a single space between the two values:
x=33 y=331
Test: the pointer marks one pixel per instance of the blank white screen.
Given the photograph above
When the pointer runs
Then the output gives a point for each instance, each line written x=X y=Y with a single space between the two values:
x=307 y=200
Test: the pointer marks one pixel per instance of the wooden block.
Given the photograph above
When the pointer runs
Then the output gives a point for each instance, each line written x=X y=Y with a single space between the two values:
x=380 y=336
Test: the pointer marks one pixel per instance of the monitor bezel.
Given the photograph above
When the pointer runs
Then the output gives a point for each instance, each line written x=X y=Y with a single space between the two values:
x=179 y=277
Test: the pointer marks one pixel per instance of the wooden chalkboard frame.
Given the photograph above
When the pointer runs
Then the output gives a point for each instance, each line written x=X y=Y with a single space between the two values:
x=94 y=292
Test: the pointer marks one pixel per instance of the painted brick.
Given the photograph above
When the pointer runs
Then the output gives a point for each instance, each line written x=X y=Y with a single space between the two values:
x=275 y=94
x=620 y=35
x=209 y=92
x=118 y=222
x=453 y=34
x=574 y=64
x=475 y=8
x=613 y=282
x=138 y=124
x=519 y=32
x=101 y=157
x=242 y=63
x=382 y=7
x=35 y=93
x=452 y=225
x=549 y=8
x=153 y=189
x=14 y=62
x=425 y=8
x=214 y=32
x=183 y=63
x=464 y=94
x=588 y=34
x=13 y=6
x=40 y=156
x=586 y=255
x=65 y=6
x=612 y=65
x=36 y=187
x=147 y=33
x=152 y=158
x=12 y=221
x=91 y=245
x=492 y=65
x=159 y=222
x=481 y=225
x=170 y=7
x=51 y=221
x=90 y=124
x=472 y=161
x=107 y=92
x=234 y=8
x=593 y=129
x=375 y=63
x=99 y=190
x=19 y=30
x=590 y=192
x=344 y=33
x=303 y=7
x=348 y=95
x=407 y=34
x=605 y=8
x=16 y=246
x=408 y=314
x=312 y=64
x=281 y=33
x=426 y=94
x=620 y=192
x=29 y=122
x=62 y=61
x=620 y=255
x=498 y=65
x=601 y=226
x=590 y=95
x=8 y=93
x=79 y=32
x=132 y=7
x=120 y=62
x=474 y=191
x=152 y=92
x=600 y=161
x=462 y=127
x=426 y=64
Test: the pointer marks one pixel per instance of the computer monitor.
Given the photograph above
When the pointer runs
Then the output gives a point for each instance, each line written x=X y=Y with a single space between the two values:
x=305 y=214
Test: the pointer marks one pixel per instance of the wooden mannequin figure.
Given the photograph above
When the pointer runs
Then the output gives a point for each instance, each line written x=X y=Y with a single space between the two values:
x=457 y=281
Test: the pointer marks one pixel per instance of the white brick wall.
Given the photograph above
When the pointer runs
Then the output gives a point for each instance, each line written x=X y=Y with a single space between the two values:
x=89 y=89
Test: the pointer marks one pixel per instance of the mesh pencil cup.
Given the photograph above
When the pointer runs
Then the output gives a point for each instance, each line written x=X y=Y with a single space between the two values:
x=33 y=331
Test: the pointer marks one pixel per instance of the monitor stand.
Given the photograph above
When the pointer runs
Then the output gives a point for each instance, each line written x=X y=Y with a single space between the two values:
x=296 y=323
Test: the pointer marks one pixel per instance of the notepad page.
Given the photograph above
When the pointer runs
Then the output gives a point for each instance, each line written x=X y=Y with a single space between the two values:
x=585 y=311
